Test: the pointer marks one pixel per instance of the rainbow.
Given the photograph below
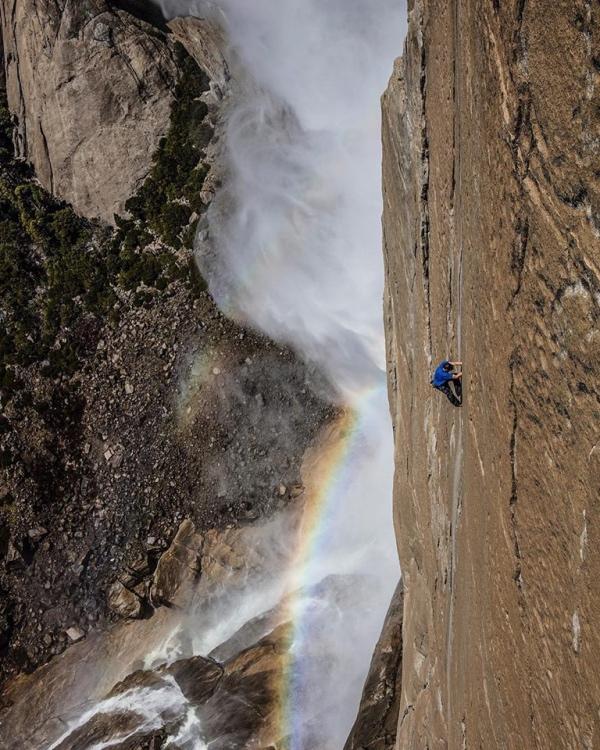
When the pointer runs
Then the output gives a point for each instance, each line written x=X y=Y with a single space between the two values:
x=326 y=492
x=203 y=369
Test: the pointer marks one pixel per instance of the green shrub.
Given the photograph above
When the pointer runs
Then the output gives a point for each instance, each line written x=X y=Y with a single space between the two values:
x=197 y=282
x=62 y=361
x=6 y=129
x=171 y=193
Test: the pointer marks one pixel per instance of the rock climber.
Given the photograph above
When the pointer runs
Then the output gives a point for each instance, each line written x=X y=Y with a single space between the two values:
x=444 y=375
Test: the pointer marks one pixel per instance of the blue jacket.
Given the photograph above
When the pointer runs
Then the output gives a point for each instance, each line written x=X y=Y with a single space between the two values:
x=441 y=376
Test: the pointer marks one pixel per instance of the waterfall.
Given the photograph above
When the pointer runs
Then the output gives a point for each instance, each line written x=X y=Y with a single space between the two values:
x=294 y=248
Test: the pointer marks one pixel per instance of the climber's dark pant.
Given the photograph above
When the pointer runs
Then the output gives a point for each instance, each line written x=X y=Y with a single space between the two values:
x=455 y=400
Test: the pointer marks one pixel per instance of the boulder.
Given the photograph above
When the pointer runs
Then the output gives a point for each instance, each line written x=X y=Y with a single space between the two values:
x=124 y=602
x=178 y=568
x=75 y=634
x=197 y=677
x=37 y=534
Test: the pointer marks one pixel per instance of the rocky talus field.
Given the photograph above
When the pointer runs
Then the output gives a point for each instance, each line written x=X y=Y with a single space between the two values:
x=491 y=133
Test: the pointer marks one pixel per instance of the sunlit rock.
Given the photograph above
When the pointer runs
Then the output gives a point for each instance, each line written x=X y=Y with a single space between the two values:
x=178 y=568
x=109 y=76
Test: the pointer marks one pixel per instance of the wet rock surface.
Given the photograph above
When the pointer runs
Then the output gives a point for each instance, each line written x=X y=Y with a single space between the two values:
x=122 y=697
x=491 y=241
x=235 y=704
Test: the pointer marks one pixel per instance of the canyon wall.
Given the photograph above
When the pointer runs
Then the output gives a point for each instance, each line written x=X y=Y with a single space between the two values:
x=492 y=223
x=92 y=89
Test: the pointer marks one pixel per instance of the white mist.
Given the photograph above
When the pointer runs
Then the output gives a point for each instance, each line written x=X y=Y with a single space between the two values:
x=295 y=250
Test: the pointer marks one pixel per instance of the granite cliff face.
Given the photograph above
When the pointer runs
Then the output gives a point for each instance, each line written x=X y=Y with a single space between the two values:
x=129 y=403
x=92 y=88
x=492 y=225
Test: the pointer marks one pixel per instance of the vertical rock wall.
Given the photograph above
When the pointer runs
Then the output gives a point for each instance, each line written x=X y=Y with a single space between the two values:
x=91 y=88
x=491 y=133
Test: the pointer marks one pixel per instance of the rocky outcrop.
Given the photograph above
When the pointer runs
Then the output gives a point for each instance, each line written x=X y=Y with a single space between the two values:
x=233 y=705
x=377 y=720
x=179 y=567
x=206 y=43
x=234 y=692
x=92 y=89
x=492 y=252
x=232 y=613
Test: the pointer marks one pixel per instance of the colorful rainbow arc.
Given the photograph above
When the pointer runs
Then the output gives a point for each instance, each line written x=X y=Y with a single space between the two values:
x=313 y=540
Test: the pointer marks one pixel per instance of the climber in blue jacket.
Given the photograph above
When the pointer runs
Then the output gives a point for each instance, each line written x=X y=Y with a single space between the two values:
x=444 y=375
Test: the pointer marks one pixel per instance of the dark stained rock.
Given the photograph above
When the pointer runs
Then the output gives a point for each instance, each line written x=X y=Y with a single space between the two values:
x=197 y=677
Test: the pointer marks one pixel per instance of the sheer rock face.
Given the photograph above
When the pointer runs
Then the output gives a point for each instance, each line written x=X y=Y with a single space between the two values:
x=491 y=225
x=92 y=90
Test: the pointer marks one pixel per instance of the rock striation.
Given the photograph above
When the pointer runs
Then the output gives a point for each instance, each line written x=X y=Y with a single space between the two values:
x=491 y=223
